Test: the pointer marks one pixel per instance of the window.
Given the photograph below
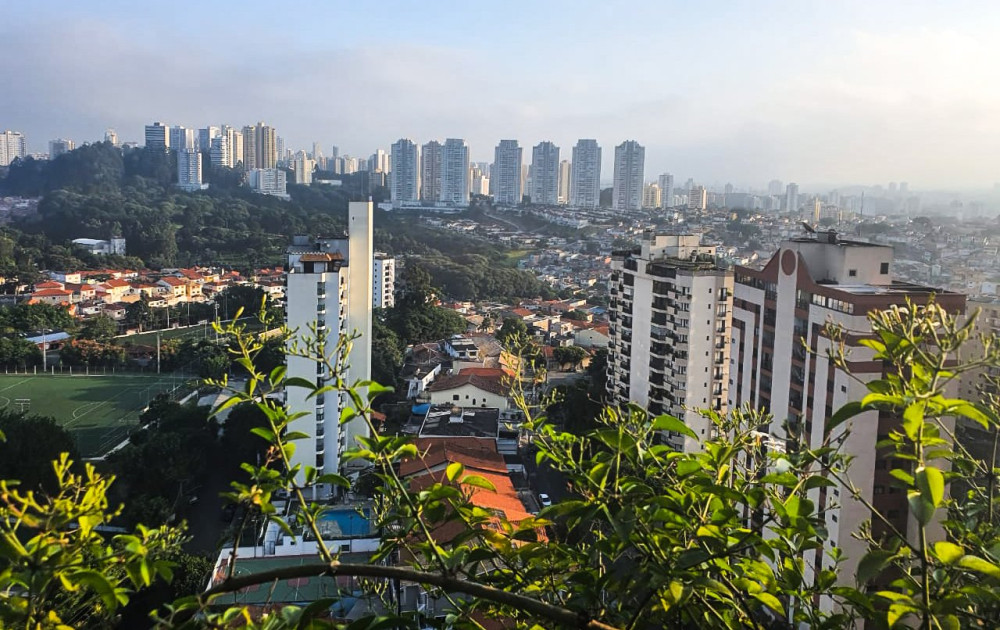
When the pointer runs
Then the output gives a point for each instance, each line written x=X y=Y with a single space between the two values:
x=884 y=269
x=455 y=397
x=852 y=272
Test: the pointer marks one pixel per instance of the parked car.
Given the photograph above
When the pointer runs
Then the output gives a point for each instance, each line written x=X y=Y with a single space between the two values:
x=544 y=499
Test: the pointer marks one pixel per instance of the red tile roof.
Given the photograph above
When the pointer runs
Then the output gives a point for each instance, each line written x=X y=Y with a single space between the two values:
x=52 y=293
x=492 y=384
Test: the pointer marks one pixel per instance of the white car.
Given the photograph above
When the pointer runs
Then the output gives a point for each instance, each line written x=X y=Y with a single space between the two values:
x=544 y=499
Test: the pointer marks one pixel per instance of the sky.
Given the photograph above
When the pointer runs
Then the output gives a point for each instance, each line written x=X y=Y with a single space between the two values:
x=817 y=92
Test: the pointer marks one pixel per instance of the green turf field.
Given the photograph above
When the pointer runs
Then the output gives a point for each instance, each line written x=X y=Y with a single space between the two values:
x=97 y=410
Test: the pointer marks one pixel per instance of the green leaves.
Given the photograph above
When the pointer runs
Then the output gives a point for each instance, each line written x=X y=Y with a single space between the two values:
x=670 y=423
x=928 y=495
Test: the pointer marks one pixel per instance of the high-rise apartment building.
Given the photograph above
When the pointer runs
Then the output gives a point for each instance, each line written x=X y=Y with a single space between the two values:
x=630 y=160
x=181 y=138
x=545 y=173
x=670 y=314
x=60 y=146
x=792 y=197
x=779 y=364
x=666 y=191
x=404 y=176
x=303 y=167
x=205 y=136
x=250 y=148
x=651 y=196
x=774 y=187
x=266 y=146
x=564 y=177
x=430 y=172
x=329 y=291
x=455 y=172
x=219 y=153
x=505 y=180
x=12 y=146
x=383 y=281
x=697 y=198
x=189 y=169
x=268 y=181
x=585 y=180
x=110 y=135
x=379 y=162
x=157 y=136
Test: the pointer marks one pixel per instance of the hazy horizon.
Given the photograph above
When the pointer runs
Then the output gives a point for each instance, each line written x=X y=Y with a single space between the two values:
x=722 y=92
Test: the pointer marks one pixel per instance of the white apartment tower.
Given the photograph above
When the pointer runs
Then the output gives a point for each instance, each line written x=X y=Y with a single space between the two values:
x=455 y=172
x=383 y=281
x=189 y=170
x=585 y=179
x=12 y=147
x=792 y=197
x=303 y=167
x=181 y=138
x=666 y=191
x=219 y=153
x=268 y=181
x=564 y=176
x=651 y=196
x=330 y=292
x=430 y=172
x=630 y=160
x=110 y=135
x=157 y=136
x=60 y=146
x=505 y=176
x=779 y=312
x=205 y=136
x=670 y=314
x=234 y=142
x=545 y=174
x=697 y=198
x=404 y=175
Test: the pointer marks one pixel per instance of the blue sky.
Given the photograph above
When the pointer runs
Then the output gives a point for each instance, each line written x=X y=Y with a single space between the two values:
x=823 y=93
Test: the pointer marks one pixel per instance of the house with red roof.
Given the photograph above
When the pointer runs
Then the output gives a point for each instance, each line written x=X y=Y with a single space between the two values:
x=480 y=387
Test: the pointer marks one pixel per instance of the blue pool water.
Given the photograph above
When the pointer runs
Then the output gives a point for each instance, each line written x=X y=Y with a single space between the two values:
x=344 y=523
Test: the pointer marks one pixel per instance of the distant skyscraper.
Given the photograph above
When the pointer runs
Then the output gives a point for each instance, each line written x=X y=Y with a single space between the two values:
x=268 y=181
x=564 y=177
x=205 y=136
x=60 y=146
x=234 y=141
x=265 y=146
x=250 y=148
x=281 y=155
x=379 y=162
x=651 y=196
x=792 y=197
x=545 y=173
x=585 y=179
x=775 y=187
x=317 y=152
x=904 y=188
x=630 y=159
x=157 y=136
x=110 y=135
x=303 y=167
x=404 y=178
x=455 y=172
x=506 y=179
x=12 y=147
x=430 y=171
x=189 y=169
x=219 y=153
x=697 y=198
x=334 y=152
x=666 y=191
x=181 y=138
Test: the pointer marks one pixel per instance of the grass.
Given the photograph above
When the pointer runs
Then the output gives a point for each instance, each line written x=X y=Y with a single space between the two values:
x=98 y=411
x=198 y=331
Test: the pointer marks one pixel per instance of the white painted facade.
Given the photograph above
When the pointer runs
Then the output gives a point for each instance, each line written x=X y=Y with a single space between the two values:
x=585 y=175
x=630 y=161
x=455 y=172
x=404 y=178
x=468 y=395
x=670 y=312
x=383 y=281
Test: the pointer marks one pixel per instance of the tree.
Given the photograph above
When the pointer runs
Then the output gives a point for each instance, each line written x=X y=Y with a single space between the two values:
x=93 y=353
x=138 y=313
x=569 y=355
x=19 y=352
x=512 y=327
x=32 y=443
x=576 y=315
x=100 y=328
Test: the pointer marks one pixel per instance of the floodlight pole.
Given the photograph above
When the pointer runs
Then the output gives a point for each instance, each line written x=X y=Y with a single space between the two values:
x=44 y=352
x=157 y=352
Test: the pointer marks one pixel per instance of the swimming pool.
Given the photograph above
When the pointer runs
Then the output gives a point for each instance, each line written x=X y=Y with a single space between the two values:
x=344 y=523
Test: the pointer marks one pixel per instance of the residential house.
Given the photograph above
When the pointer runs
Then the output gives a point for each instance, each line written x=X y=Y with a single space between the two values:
x=472 y=388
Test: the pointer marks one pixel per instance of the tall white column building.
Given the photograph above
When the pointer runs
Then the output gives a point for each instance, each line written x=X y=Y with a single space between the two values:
x=181 y=138
x=545 y=173
x=330 y=288
x=303 y=167
x=404 y=176
x=670 y=314
x=189 y=170
x=430 y=171
x=666 y=191
x=219 y=153
x=564 y=177
x=505 y=178
x=630 y=161
x=205 y=136
x=12 y=147
x=60 y=146
x=792 y=197
x=585 y=180
x=455 y=172
x=157 y=136
x=383 y=281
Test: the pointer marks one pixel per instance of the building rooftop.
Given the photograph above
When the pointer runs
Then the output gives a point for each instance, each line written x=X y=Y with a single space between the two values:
x=446 y=420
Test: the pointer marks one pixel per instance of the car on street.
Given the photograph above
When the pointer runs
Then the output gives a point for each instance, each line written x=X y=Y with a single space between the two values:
x=544 y=499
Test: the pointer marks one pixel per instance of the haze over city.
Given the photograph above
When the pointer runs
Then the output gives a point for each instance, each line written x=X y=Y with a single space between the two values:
x=819 y=93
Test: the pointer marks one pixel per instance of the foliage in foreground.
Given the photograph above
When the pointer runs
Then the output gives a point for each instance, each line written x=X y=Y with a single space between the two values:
x=651 y=538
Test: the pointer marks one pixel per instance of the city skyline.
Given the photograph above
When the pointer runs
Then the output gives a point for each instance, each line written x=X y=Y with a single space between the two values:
x=826 y=95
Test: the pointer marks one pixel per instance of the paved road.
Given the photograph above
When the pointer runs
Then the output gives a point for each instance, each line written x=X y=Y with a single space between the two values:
x=544 y=478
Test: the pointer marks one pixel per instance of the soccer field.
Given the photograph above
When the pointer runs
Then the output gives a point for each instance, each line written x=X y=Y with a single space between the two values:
x=98 y=411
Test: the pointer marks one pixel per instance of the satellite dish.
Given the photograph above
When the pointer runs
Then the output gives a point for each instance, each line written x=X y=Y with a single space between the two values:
x=808 y=228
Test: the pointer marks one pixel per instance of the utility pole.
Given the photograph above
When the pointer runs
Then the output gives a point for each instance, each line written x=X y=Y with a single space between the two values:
x=45 y=352
x=157 y=352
